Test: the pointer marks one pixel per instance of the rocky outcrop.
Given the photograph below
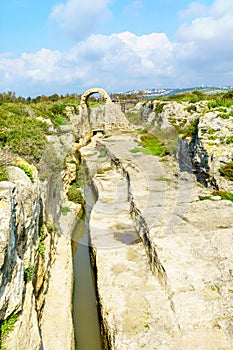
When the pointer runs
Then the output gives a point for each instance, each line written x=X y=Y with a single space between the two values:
x=168 y=282
x=36 y=258
x=104 y=117
x=202 y=150
x=19 y=226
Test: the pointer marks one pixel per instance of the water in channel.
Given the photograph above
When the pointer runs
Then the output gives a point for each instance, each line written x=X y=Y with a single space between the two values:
x=85 y=313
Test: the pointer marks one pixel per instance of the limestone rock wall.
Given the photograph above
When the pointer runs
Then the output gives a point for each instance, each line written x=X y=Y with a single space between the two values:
x=36 y=276
x=105 y=117
x=206 y=150
x=19 y=224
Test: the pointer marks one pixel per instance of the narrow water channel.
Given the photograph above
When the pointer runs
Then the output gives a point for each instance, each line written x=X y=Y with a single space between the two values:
x=85 y=313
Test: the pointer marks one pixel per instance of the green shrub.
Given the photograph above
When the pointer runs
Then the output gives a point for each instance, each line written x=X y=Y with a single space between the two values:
x=159 y=107
x=102 y=154
x=60 y=120
x=141 y=131
x=3 y=174
x=202 y=198
x=20 y=133
x=191 y=129
x=152 y=145
x=191 y=108
x=212 y=131
x=222 y=110
x=212 y=137
x=229 y=140
x=192 y=97
x=227 y=171
x=228 y=94
x=75 y=195
x=220 y=102
x=29 y=273
x=224 y=195
x=65 y=210
x=41 y=248
x=224 y=115
x=6 y=327
x=56 y=112
x=27 y=171
x=50 y=227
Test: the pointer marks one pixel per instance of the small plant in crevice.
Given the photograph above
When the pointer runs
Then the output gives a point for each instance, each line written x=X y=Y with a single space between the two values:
x=27 y=171
x=3 y=173
x=29 y=273
x=159 y=107
x=100 y=171
x=213 y=137
x=203 y=198
x=102 y=154
x=41 y=247
x=153 y=145
x=212 y=131
x=224 y=115
x=227 y=171
x=224 y=195
x=7 y=326
x=51 y=228
x=75 y=194
x=163 y=179
x=229 y=140
x=65 y=210
x=191 y=129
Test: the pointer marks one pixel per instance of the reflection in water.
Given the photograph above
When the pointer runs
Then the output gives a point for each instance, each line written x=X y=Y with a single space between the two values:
x=85 y=314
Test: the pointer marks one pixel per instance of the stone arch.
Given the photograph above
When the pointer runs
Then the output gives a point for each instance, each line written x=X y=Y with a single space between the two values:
x=92 y=91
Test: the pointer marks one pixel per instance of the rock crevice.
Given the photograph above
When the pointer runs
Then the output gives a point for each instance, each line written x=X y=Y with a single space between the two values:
x=178 y=253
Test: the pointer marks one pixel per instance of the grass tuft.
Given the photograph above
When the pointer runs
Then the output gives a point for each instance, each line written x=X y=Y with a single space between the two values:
x=6 y=327
x=3 y=174
x=227 y=171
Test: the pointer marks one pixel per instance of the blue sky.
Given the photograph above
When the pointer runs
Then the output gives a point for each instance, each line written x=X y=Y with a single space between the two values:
x=69 y=46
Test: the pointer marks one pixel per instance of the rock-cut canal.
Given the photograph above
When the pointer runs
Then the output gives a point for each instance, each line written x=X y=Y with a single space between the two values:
x=85 y=308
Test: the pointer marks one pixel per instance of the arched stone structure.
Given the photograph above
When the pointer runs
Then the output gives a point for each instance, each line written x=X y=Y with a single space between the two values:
x=92 y=91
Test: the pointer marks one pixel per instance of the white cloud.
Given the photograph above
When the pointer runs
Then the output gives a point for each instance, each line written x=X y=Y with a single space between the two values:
x=80 y=18
x=204 y=47
x=221 y=8
x=116 y=61
x=193 y=10
x=216 y=24
x=202 y=53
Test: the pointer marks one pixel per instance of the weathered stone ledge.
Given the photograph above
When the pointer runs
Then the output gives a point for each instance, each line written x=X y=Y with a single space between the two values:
x=182 y=238
x=37 y=273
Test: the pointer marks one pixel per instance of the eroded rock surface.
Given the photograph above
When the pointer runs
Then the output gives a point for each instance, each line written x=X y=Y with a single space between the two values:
x=19 y=222
x=163 y=257
x=36 y=266
x=205 y=149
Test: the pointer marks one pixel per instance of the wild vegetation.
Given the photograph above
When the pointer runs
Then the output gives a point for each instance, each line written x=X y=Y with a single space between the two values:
x=151 y=145
x=224 y=99
x=6 y=327
x=227 y=171
x=24 y=123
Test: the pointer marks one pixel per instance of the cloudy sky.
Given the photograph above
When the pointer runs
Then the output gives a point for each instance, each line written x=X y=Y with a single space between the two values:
x=52 y=46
